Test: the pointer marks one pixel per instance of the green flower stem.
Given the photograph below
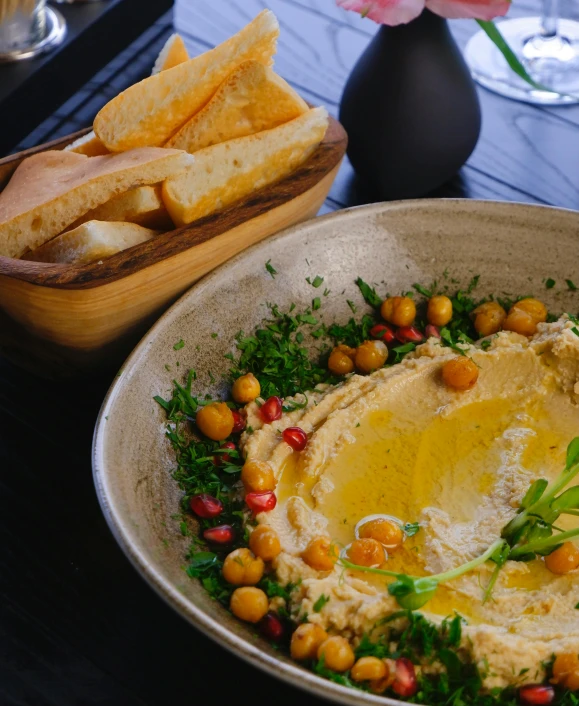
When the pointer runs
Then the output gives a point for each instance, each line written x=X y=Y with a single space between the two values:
x=439 y=578
x=494 y=34
x=541 y=544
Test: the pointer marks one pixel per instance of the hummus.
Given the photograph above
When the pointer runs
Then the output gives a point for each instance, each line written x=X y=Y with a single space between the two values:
x=399 y=442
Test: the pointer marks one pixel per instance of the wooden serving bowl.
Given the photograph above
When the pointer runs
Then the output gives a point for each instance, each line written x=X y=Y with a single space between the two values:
x=66 y=320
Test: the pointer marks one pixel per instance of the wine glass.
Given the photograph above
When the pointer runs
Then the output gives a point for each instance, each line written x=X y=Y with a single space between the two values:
x=548 y=48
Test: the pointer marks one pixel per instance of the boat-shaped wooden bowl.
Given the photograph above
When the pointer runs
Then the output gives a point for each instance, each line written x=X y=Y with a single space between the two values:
x=66 y=320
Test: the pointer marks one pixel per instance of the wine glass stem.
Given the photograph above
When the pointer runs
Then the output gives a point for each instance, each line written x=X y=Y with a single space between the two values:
x=550 y=20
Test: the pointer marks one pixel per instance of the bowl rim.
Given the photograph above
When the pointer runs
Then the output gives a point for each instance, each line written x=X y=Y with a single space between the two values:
x=286 y=671
x=325 y=158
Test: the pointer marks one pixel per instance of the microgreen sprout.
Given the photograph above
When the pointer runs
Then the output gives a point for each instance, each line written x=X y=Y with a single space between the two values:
x=412 y=592
x=528 y=534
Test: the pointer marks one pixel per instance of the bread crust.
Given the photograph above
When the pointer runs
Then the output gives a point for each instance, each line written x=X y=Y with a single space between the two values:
x=151 y=111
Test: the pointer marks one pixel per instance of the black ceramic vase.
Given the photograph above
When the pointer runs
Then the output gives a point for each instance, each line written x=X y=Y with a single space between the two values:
x=411 y=109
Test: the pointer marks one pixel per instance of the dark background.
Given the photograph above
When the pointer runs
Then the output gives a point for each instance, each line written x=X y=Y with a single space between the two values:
x=78 y=627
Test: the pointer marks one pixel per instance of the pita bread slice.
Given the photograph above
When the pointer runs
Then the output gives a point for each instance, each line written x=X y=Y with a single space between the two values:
x=150 y=112
x=90 y=242
x=172 y=54
x=89 y=145
x=142 y=205
x=227 y=172
x=50 y=190
x=253 y=98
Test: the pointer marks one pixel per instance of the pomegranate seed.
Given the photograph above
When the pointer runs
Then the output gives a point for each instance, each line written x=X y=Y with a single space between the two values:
x=382 y=333
x=206 y=506
x=223 y=534
x=271 y=410
x=431 y=331
x=405 y=683
x=271 y=627
x=536 y=694
x=238 y=422
x=409 y=334
x=218 y=459
x=296 y=438
x=261 y=502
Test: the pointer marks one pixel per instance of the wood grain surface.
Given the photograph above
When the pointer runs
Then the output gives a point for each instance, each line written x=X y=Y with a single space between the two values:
x=78 y=627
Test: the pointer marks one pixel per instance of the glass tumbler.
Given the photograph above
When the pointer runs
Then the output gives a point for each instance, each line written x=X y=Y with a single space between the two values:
x=28 y=28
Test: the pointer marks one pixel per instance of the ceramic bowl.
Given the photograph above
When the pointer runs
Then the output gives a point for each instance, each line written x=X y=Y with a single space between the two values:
x=512 y=247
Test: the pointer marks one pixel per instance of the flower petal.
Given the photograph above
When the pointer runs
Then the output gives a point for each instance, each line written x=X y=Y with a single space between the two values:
x=474 y=9
x=386 y=12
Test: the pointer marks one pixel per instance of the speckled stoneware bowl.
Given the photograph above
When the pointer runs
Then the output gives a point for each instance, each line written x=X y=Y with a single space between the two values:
x=513 y=248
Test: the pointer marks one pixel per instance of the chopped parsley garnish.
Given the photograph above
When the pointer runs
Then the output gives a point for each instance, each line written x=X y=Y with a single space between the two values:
x=411 y=528
x=401 y=351
x=571 y=285
x=353 y=333
x=277 y=357
x=550 y=283
x=320 y=603
x=179 y=345
x=422 y=290
x=271 y=269
x=316 y=282
x=369 y=293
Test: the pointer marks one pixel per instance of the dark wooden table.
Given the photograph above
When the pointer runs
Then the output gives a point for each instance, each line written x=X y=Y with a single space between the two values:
x=78 y=627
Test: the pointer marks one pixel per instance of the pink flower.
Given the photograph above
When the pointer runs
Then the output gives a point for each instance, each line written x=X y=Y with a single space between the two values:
x=469 y=9
x=385 y=12
x=395 y=12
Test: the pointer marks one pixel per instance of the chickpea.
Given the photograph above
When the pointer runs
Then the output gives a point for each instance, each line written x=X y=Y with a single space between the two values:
x=488 y=318
x=249 y=603
x=439 y=311
x=320 y=554
x=520 y=322
x=245 y=389
x=379 y=686
x=257 y=476
x=215 y=420
x=400 y=311
x=242 y=568
x=370 y=356
x=524 y=316
x=460 y=373
x=337 y=654
x=386 y=532
x=369 y=669
x=535 y=308
x=341 y=360
x=366 y=552
x=566 y=671
x=264 y=543
x=563 y=560
x=306 y=640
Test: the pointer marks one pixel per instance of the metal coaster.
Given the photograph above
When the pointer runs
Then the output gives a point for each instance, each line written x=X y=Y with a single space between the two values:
x=54 y=34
